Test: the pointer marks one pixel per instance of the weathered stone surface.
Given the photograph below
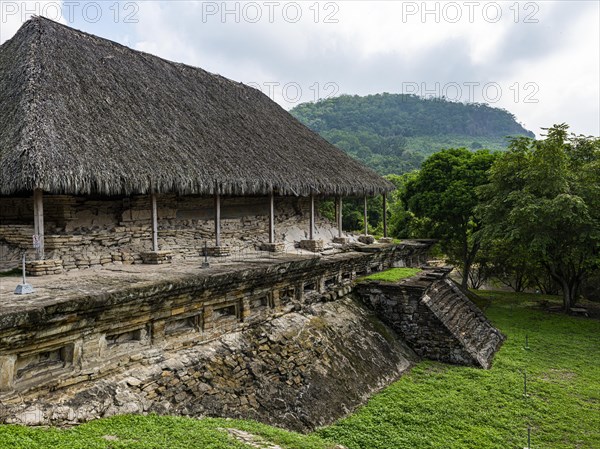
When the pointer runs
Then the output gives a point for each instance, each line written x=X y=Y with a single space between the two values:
x=151 y=257
x=314 y=246
x=276 y=247
x=217 y=251
x=341 y=240
x=85 y=232
x=265 y=338
x=43 y=267
x=366 y=239
x=302 y=370
x=435 y=318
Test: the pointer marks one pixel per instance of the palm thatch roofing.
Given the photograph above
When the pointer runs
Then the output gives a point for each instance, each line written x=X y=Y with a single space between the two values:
x=84 y=115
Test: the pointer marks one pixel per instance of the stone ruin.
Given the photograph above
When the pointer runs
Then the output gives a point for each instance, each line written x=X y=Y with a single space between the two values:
x=292 y=340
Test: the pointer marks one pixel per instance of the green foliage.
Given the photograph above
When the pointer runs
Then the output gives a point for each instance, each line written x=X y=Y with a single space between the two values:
x=402 y=223
x=392 y=275
x=353 y=213
x=394 y=133
x=442 y=195
x=440 y=406
x=543 y=201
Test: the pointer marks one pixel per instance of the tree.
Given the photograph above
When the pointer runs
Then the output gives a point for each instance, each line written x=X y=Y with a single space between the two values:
x=544 y=198
x=400 y=220
x=510 y=265
x=443 y=197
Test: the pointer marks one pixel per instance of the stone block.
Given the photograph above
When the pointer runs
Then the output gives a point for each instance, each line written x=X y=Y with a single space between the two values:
x=43 y=267
x=217 y=251
x=277 y=247
x=385 y=240
x=366 y=239
x=157 y=257
x=341 y=240
x=314 y=246
x=7 y=372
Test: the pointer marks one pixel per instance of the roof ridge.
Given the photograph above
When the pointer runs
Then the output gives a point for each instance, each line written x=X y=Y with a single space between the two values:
x=45 y=21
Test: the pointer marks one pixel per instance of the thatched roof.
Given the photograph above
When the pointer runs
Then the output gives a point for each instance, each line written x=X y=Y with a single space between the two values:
x=80 y=115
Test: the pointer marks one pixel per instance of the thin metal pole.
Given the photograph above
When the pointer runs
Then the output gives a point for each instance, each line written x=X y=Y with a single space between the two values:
x=312 y=217
x=385 y=230
x=24 y=277
x=271 y=217
x=217 y=219
x=154 y=223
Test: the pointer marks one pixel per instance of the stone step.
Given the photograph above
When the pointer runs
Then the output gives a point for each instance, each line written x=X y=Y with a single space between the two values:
x=466 y=322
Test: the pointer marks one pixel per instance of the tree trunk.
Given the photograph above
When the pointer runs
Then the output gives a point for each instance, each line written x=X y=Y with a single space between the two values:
x=566 y=295
x=466 y=273
x=574 y=292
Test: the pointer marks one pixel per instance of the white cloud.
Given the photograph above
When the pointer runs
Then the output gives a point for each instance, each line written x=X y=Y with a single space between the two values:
x=14 y=13
x=368 y=47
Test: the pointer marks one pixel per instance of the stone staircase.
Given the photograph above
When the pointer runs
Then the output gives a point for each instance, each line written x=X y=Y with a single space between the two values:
x=434 y=317
x=463 y=320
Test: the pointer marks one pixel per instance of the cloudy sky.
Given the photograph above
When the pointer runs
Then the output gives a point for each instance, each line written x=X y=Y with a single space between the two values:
x=539 y=60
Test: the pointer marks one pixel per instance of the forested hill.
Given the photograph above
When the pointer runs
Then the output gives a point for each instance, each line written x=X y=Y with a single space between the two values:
x=394 y=133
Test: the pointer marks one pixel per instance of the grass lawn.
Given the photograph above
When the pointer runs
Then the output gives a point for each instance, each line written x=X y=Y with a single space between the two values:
x=392 y=275
x=435 y=406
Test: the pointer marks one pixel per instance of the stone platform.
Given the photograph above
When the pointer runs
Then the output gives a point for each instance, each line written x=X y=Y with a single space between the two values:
x=82 y=326
x=279 y=329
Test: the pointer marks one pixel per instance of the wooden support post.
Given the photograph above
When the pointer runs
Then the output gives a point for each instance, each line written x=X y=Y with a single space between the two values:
x=385 y=233
x=217 y=219
x=311 y=234
x=154 y=223
x=335 y=210
x=366 y=221
x=38 y=221
x=339 y=216
x=271 y=217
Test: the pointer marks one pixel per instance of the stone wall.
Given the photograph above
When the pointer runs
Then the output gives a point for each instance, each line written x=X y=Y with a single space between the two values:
x=70 y=337
x=301 y=370
x=435 y=318
x=85 y=231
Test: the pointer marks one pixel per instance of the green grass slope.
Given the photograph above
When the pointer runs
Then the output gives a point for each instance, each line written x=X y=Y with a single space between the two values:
x=441 y=406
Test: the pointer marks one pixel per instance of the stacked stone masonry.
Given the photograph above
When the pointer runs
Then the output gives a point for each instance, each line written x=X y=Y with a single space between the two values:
x=44 y=267
x=157 y=257
x=50 y=351
x=435 y=318
x=285 y=341
x=85 y=232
